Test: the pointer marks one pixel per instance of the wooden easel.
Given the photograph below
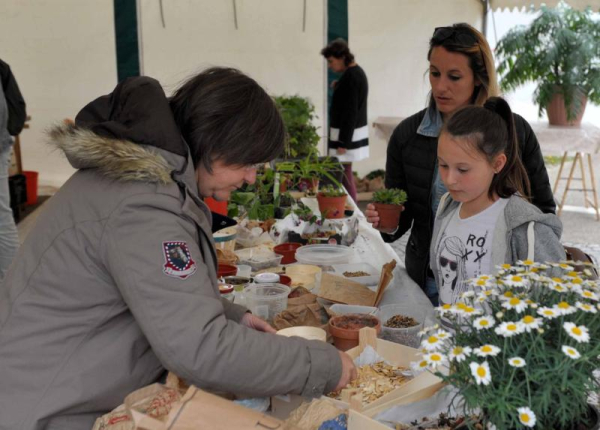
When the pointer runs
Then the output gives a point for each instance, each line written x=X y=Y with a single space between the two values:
x=578 y=159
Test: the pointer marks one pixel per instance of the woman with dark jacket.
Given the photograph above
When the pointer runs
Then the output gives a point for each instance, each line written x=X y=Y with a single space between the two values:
x=461 y=72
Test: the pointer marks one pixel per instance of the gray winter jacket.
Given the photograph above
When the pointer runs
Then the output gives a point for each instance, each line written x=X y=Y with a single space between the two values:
x=510 y=234
x=93 y=308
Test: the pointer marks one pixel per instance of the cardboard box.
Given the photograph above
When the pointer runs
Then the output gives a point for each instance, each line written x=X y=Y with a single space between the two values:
x=419 y=388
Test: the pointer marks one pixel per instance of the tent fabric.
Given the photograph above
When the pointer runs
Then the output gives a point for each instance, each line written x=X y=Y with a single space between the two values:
x=520 y=4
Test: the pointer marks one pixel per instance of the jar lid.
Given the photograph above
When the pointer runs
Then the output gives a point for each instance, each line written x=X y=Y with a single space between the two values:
x=266 y=278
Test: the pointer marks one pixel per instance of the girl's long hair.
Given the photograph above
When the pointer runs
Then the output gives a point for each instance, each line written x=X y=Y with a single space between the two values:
x=491 y=130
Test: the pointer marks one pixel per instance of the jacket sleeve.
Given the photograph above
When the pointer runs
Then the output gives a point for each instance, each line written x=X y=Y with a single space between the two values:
x=531 y=154
x=395 y=178
x=547 y=246
x=14 y=100
x=185 y=321
x=348 y=111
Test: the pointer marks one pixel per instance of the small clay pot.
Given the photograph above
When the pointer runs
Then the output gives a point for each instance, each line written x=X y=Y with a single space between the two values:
x=344 y=329
x=308 y=184
x=288 y=250
x=332 y=207
x=389 y=216
x=285 y=280
x=226 y=270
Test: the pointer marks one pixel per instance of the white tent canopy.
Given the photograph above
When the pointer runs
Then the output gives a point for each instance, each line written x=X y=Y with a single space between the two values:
x=519 y=4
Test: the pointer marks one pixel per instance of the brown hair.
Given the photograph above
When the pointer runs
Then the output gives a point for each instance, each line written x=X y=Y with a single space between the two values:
x=491 y=130
x=225 y=115
x=481 y=60
x=338 y=49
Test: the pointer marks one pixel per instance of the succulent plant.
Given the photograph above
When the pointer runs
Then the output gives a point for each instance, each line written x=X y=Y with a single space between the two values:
x=391 y=196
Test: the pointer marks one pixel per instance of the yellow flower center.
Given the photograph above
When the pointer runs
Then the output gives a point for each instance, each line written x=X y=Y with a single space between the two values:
x=483 y=323
x=586 y=307
x=486 y=348
x=511 y=327
x=525 y=418
x=549 y=312
x=423 y=364
x=481 y=372
x=446 y=306
x=587 y=294
x=571 y=351
x=436 y=357
x=577 y=331
x=469 y=309
x=516 y=279
x=432 y=339
x=461 y=305
x=557 y=280
x=458 y=350
x=563 y=266
x=481 y=282
x=527 y=262
x=506 y=266
x=564 y=305
x=572 y=274
x=514 y=301
x=508 y=294
x=528 y=319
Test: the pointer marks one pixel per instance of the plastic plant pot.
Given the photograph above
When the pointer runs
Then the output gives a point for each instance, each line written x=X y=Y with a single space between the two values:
x=226 y=270
x=389 y=216
x=332 y=207
x=344 y=329
x=288 y=250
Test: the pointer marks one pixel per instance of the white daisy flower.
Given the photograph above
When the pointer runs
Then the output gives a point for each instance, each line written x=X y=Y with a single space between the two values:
x=484 y=322
x=526 y=416
x=435 y=359
x=526 y=263
x=515 y=281
x=516 y=362
x=548 y=313
x=559 y=288
x=467 y=311
x=509 y=328
x=563 y=265
x=481 y=372
x=487 y=350
x=563 y=308
x=587 y=294
x=432 y=343
x=460 y=353
x=529 y=323
x=507 y=295
x=515 y=303
x=443 y=335
x=570 y=352
x=467 y=294
x=499 y=315
x=579 y=333
x=419 y=365
x=428 y=329
x=482 y=282
x=585 y=307
x=481 y=298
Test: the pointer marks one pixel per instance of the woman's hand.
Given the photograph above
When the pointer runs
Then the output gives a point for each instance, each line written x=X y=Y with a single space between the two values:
x=349 y=372
x=256 y=323
x=372 y=215
x=341 y=151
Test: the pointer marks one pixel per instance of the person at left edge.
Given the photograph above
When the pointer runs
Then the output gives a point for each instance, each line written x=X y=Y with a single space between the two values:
x=95 y=306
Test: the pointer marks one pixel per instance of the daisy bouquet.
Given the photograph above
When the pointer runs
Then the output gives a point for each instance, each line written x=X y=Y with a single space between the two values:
x=521 y=346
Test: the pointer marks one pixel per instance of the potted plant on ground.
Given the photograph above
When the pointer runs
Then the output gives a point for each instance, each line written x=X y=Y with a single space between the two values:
x=332 y=201
x=389 y=203
x=560 y=51
x=524 y=347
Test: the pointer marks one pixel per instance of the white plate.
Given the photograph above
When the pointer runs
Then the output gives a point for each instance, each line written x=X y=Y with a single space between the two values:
x=324 y=255
x=371 y=279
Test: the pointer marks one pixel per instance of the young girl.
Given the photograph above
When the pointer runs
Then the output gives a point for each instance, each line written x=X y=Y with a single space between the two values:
x=485 y=219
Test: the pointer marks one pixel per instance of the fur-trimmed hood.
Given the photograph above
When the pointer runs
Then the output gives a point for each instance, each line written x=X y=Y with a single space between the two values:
x=128 y=135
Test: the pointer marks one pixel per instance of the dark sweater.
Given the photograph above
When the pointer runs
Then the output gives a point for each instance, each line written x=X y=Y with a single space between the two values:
x=411 y=164
x=349 y=108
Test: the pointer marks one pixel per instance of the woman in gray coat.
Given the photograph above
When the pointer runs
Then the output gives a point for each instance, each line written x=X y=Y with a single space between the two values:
x=94 y=306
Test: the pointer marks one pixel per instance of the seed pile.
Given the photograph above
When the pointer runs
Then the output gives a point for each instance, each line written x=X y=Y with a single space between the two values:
x=355 y=274
x=375 y=381
x=401 y=321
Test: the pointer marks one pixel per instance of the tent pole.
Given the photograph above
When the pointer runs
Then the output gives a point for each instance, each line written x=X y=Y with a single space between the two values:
x=486 y=8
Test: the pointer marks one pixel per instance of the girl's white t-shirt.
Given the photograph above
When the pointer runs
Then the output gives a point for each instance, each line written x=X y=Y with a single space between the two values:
x=464 y=250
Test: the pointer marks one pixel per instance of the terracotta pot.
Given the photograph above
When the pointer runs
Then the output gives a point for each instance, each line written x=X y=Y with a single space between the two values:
x=285 y=280
x=288 y=250
x=557 y=114
x=389 y=216
x=226 y=270
x=344 y=329
x=332 y=207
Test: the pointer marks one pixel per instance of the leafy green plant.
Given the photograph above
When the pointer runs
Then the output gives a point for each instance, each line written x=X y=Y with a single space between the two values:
x=304 y=213
x=375 y=174
x=298 y=113
x=332 y=191
x=311 y=166
x=390 y=196
x=255 y=200
x=524 y=347
x=560 y=51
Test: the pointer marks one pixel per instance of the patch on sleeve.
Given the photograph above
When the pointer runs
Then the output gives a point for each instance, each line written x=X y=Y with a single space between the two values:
x=178 y=260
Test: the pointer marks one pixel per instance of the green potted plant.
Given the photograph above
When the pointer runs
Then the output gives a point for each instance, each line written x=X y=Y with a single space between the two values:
x=389 y=203
x=298 y=113
x=305 y=173
x=560 y=51
x=524 y=347
x=332 y=201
